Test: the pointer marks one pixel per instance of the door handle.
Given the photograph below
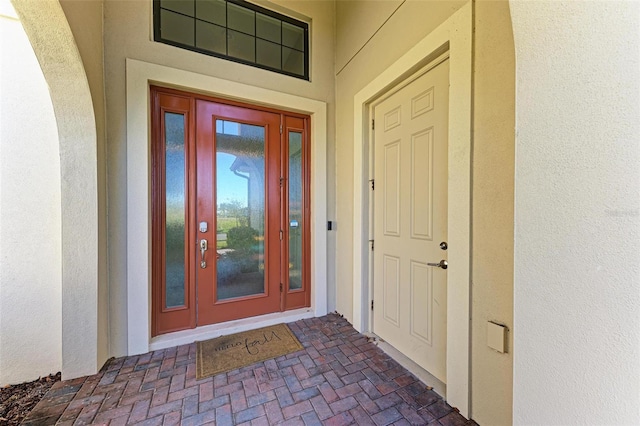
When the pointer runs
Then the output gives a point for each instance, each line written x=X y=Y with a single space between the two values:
x=203 y=248
x=442 y=264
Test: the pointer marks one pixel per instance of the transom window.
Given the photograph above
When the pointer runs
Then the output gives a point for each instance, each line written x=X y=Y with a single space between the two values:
x=235 y=30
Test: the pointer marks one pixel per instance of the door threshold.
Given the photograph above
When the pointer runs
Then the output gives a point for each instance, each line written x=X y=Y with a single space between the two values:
x=423 y=375
x=206 y=332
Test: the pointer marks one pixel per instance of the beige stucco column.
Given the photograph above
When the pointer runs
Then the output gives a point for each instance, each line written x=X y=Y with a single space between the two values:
x=49 y=33
x=577 y=213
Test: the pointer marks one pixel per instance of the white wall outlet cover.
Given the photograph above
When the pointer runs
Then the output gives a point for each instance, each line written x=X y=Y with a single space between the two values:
x=496 y=337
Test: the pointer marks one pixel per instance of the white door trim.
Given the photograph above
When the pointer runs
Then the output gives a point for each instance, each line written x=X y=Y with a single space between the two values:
x=454 y=35
x=139 y=75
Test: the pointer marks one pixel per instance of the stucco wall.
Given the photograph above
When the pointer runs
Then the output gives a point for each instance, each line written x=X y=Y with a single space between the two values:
x=493 y=157
x=30 y=221
x=577 y=213
x=61 y=64
x=353 y=31
x=492 y=205
x=86 y=22
x=128 y=34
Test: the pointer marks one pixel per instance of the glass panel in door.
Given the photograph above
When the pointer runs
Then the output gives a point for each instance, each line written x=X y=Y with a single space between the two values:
x=295 y=210
x=174 y=130
x=240 y=209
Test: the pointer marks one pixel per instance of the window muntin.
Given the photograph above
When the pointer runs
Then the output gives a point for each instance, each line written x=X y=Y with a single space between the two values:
x=235 y=30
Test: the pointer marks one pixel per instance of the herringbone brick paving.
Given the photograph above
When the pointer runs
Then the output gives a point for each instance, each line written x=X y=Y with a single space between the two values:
x=340 y=378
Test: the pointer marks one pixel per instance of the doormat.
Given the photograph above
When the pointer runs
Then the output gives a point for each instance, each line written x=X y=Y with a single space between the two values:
x=226 y=353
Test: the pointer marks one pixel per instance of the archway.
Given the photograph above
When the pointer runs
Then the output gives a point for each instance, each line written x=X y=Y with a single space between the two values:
x=53 y=43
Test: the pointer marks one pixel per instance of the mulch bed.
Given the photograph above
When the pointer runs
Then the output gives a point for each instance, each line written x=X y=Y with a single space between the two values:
x=16 y=401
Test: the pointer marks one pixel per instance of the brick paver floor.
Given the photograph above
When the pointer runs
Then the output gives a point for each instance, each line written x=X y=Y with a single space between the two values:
x=340 y=378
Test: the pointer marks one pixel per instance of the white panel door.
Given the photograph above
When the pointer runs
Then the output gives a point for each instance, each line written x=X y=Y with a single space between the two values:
x=410 y=219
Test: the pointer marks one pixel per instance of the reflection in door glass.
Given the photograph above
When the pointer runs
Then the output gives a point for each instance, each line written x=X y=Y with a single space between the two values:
x=240 y=203
x=174 y=223
x=295 y=210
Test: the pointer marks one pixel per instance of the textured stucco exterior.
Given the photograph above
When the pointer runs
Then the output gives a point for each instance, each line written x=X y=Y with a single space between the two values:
x=30 y=227
x=492 y=211
x=577 y=211
x=61 y=64
x=86 y=21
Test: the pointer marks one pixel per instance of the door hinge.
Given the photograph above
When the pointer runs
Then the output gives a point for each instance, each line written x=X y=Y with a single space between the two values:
x=373 y=124
x=281 y=287
x=281 y=234
x=372 y=184
x=372 y=305
x=281 y=129
x=371 y=241
x=281 y=182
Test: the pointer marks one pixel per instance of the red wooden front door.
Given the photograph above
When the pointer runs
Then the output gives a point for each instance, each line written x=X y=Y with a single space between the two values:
x=238 y=181
x=231 y=211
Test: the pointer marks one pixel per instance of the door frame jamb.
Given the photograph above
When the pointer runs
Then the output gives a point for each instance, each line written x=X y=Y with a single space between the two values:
x=454 y=35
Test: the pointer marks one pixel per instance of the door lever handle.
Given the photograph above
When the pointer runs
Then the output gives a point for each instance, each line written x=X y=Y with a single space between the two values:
x=203 y=248
x=442 y=264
